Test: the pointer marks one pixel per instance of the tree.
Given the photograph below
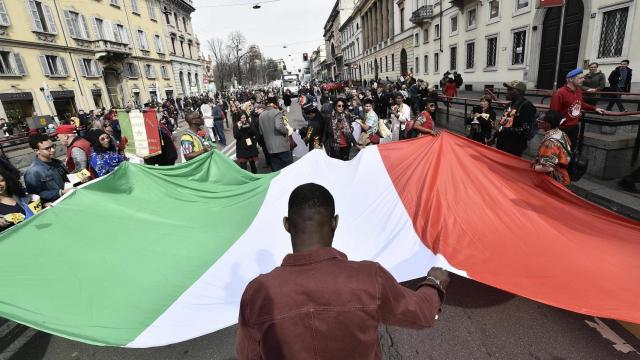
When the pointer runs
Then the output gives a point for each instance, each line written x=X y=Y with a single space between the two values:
x=235 y=43
x=221 y=61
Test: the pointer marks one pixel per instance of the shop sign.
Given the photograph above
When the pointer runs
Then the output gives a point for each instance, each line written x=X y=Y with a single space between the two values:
x=62 y=94
x=15 y=96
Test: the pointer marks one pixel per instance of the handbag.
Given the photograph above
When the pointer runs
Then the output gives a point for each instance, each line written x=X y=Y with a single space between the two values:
x=292 y=143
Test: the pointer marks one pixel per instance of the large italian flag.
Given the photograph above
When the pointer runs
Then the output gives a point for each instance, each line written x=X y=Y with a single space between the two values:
x=152 y=256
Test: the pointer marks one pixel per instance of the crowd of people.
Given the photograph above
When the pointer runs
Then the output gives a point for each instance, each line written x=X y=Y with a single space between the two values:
x=340 y=122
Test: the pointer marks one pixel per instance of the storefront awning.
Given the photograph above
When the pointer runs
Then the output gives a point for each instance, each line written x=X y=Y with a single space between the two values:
x=62 y=94
x=14 y=96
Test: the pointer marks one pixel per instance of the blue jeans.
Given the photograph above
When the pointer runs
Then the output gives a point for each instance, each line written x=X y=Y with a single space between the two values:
x=281 y=160
x=219 y=128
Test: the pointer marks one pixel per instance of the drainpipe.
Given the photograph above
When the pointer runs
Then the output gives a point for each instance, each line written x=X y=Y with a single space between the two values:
x=440 y=38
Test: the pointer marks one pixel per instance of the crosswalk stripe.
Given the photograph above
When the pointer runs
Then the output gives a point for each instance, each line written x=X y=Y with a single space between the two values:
x=16 y=345
x=8 y=326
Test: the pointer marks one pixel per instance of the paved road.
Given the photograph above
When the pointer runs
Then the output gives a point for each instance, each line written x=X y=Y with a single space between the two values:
x=478 y=322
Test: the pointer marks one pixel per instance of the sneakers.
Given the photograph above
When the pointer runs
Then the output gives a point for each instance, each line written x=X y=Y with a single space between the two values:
x=628 y=186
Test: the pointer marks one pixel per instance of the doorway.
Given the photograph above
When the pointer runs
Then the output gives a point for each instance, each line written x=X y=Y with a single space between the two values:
x=112 y=82
x=570 y=47
x=403 y=62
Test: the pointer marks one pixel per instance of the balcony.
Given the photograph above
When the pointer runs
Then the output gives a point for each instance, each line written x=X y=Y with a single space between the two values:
x=422 y=15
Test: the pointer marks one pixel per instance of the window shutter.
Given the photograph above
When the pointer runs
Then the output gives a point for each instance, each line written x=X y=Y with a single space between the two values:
x=85 y=29
x=35 y=18
x=49 y=16
x=116 y=32
x=96 y=31
x=19 y=64
x=83 y=70
x=4 y=17
x=70 y=25
x=63 y=66
x=125 y=70
x=97 y=67
x=125 y=35
x=44 y=65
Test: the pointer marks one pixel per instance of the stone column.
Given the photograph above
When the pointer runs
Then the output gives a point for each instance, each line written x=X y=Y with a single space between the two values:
x=372 y=30
x=385 y=19
x=392 y=30
x=380 y=21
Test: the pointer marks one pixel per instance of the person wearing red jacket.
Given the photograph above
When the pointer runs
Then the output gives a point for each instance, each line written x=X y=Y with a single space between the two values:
x=568 y=101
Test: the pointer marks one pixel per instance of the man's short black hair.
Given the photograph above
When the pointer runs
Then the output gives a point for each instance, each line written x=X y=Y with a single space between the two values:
x=553 y=118
x=311 y=196
x=35 y=140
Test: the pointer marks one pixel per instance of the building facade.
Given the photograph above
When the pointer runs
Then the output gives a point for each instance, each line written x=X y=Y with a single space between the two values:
x=334 y=63
x=317 y=60
x=496 y=41
x=351 y=38
x=488 y=42
x=58 y=57
x=183 y=48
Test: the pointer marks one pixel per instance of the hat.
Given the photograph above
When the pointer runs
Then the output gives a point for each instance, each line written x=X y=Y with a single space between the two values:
x=66 y=130
x=575 y=72
x=515 y=84
x=308 y=107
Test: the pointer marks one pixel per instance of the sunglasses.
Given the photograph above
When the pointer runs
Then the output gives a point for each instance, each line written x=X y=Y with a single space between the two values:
x=340 y=106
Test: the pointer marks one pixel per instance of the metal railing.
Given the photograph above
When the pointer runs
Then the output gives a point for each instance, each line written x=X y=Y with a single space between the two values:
x=601 y=96
x=614 y=121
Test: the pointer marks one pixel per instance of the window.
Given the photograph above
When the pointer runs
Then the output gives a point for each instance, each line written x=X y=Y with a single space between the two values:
x=472 y=18
x=426 y=64
x=386 y=63
x=416 y=64
x=89 y=68
x=393 y=62
x=158 y=43
x=453 y=57
x=425 y=36
x=11 y=64
x=131 y=70
x=99 y=29
x=53 y=66
x=120 y=34
x=189 y=47
x=173 y=45
x=175 y=17
x=492 y=50
x=401 y=19
x=612 y=33
x=4 y=17
x=182 y=47
x=134 y=7
x=142 y=40
x=519 y=43
x=471 y=55
x=77 y=25
x=166 y=16
x=164 y=72
x=436 y=62
x=41 y=17
x=520 y=7
x=453 y=30
x=149 y=71
x=184 y=24
x=436 y=31
x=494 y=10
x=115 y=2
x=416 y=40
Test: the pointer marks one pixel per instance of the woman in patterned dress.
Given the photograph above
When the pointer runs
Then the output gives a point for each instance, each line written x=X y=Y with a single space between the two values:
x=554 y=153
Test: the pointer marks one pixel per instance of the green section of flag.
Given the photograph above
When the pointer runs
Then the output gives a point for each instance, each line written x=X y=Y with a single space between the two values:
x=106 y=262
x=127 y=131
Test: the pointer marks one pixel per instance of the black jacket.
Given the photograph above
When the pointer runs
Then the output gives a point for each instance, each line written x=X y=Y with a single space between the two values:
x=615 y=75
x=245 y=136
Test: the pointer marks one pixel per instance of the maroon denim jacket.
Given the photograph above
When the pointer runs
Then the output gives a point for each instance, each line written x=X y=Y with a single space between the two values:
x=319 y=305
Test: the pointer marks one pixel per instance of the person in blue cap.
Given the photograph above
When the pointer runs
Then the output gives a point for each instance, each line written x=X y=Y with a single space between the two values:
x=568 y=101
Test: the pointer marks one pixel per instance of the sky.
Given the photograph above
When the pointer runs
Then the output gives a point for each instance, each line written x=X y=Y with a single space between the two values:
x=298 y=24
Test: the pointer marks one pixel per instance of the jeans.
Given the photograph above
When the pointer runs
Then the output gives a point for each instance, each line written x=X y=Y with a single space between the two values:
x=219 y=127
x=281 y=160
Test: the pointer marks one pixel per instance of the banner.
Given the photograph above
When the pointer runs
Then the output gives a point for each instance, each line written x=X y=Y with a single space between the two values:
x=142 y=132
x=551 y=3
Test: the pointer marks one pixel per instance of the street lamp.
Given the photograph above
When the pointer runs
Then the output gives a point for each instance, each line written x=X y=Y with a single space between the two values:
x=256 y=6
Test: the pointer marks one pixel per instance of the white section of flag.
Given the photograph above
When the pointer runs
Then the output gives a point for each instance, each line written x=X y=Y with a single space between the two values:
x=373 y=225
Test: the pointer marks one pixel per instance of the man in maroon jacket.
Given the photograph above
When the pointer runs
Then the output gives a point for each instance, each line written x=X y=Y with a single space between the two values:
x=318 y=304
x=568 y=101
x=78 y=149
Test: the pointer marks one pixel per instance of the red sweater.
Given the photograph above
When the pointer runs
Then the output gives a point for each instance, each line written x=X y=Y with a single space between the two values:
x=569 y=103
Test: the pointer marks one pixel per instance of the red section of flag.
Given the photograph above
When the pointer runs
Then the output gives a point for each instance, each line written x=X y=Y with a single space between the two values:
x=152 y=126
x=551 y=3
x=490 y=215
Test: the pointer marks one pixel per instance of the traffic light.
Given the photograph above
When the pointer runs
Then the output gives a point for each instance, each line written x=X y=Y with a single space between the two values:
x=305 y=57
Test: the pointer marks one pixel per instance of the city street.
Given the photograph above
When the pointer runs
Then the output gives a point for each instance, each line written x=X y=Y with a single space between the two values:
x=477 y=322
